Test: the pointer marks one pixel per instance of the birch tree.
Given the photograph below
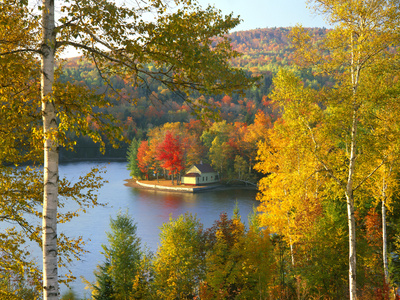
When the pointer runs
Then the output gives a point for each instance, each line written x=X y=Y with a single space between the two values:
x=355 y=51
x=184 y=43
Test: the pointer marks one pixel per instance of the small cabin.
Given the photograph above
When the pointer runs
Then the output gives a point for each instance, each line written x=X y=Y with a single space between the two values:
x=200 y=174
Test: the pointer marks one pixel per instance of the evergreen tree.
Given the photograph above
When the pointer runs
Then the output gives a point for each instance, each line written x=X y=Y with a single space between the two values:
x=116 y=277
x=132 y=159
x=104 y=288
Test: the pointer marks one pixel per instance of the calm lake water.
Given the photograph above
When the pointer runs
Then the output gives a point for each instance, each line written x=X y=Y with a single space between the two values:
x=149 y=209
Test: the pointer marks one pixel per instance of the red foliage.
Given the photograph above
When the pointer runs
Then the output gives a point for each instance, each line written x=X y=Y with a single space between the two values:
x=373 y=226
x=129 y=122
x=144 y=158
x=226 y=100
x=170 y=153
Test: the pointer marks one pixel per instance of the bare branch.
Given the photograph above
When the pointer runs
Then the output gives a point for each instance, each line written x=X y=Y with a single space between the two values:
x=319 y=159
x=21 y=51
x=371 y=174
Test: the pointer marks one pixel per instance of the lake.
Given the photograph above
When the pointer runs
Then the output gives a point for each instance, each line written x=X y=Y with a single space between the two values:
x=149 y=209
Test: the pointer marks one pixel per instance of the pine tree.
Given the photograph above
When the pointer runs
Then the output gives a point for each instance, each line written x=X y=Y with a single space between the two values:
x=104 y=288
x=132 y=159
x=116 y=276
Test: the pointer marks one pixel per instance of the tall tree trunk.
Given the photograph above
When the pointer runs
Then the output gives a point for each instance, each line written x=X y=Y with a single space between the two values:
x=350 y=212
x=384 y=238
x=355 y=69
x=384 y=233
x=352 y=247
x=50 y=193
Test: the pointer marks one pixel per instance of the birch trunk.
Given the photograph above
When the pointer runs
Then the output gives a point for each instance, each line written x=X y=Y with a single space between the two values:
x=355 y=69
x=50 y=193
x=350 y=212
x=352 y=248
x=384 y=234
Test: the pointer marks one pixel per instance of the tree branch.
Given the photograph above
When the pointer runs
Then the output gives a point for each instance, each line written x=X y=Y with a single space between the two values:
x=369 y=175
x=21 y=51
x=319 y=159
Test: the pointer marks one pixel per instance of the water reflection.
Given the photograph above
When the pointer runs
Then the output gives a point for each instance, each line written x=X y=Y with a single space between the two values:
x=149 y=208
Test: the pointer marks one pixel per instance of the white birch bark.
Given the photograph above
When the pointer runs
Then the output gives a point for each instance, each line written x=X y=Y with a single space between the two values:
x=355 y=74
x=384 y=233
x=350 y=213
x=50 y=193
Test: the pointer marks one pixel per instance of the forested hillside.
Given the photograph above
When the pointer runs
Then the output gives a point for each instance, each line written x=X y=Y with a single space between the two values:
x=263 y=53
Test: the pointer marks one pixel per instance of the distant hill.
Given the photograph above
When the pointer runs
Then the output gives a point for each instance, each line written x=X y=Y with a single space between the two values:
x=264 y=51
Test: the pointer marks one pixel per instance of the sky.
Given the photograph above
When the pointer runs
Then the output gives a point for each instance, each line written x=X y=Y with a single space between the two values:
x=268 y=13
x=260 y=14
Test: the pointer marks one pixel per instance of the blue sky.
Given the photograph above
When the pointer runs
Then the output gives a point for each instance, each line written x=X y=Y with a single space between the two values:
x=260 y=14
x=268 y=13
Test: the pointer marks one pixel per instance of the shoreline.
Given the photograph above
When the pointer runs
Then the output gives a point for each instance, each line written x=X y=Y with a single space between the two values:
x=166 y=185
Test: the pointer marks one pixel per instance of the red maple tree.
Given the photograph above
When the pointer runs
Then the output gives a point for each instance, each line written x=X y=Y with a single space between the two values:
x=170 y=154
x=144 y=158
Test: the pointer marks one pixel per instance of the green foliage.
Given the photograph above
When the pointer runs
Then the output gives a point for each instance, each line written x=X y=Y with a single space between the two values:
x=123 y=254
x=132 y=159
x=238 y=261
x=69 y=295
x=14 y=287
x=179 y=261
x=115 y=279
x=241 y=167
x=225 y=262
x=321 y=262
x=103 y=289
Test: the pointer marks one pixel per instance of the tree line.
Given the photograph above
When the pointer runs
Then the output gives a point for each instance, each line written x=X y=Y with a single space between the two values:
x=330 y=158
x=191 y=261
x=231 y=148
x=263 y=53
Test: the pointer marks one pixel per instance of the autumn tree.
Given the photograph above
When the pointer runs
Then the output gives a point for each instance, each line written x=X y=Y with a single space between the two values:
x=120 y=40
x=255 y=133
x=238 y=261
x=21 y=144
x=240 y=167
x=179 y=261
x=171 y=154
x=156 y=138
x=144 y=158
x=195 y=151
x=340 y=129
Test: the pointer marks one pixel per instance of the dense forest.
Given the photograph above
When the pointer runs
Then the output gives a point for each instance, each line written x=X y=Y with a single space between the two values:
x=263 y=53
x=319 y=134
x=322 y=144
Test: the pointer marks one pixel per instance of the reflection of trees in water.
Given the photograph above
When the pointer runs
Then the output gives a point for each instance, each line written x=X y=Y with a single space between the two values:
x=213 y=202
x=168 y=202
